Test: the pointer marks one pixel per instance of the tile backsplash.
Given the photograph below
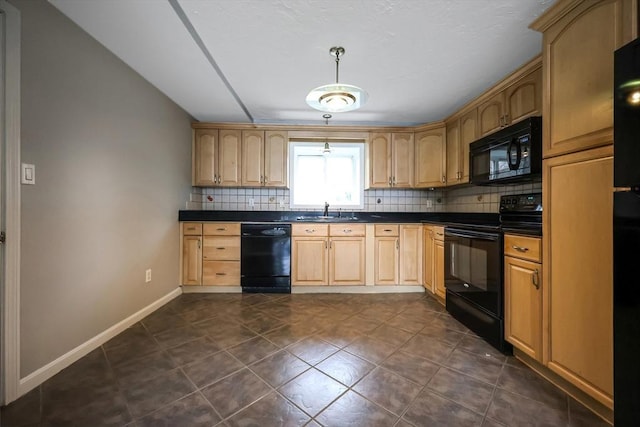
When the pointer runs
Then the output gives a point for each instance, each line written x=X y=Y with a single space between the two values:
x=460 y=199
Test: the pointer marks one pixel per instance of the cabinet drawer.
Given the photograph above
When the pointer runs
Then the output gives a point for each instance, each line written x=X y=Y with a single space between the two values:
x=221 y=229
x=221 y=273
x=191 y=228
x=387 y=230
x=523 y=247
x=438 y=232
x=221 y=248
x=310 y=229
x=347 y=230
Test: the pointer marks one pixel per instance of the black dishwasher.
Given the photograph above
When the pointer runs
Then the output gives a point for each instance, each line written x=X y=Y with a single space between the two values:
x=265 y=262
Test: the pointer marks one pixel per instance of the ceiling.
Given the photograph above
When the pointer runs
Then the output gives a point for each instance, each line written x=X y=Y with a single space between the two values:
x=254 y=61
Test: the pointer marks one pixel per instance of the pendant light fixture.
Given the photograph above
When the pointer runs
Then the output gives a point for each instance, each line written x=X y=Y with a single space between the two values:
x=326 y=149
x=337 y=97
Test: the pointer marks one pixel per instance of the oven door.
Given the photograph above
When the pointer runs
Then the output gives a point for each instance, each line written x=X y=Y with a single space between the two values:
x=473 y=267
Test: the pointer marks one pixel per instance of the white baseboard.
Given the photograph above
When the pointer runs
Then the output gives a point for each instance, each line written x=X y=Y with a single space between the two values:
x=378 y=289
x=39 y=376
x=191 y=289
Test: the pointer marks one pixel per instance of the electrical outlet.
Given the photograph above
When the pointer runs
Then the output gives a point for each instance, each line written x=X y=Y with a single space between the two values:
x=251 y=202
x=147 y=276
x=282 y=203
x=429 y=203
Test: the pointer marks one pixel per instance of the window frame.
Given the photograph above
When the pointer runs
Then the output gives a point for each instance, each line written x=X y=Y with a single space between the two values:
x=360 y=158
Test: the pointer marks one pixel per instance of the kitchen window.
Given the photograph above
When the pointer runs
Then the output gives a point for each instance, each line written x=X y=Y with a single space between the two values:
x=318 y=176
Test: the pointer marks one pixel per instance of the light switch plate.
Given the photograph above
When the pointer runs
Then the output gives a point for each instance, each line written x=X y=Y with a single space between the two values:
x=28 y=174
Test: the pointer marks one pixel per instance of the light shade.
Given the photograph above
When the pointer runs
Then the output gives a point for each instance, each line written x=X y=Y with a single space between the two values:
x=337 y=98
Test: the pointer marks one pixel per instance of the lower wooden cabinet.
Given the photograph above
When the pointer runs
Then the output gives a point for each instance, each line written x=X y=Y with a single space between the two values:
x=427 y=263
x=398 y=254
x=386 y=260
x=410 y=257
x=438 y=269
x=325 y=254
x=523 y=294
x=191 y=260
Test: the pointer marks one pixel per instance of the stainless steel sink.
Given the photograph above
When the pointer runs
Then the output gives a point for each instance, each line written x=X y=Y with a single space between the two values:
x=327 y=218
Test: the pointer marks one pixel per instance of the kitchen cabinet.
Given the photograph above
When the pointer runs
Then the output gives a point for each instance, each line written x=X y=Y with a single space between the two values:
x=438 y=263
x=427 y=253
x=328 y=254
x=347 y=254
x=523 y=294
x=460 y=133
x=410 y=256
x=221 y=254
x=391 y=160
x=519 y=100
x=430 y=158
x=578 y=272
x=579 y=39
x=264 y=158
x=216 y=158
x=191 y=253
x=398 y=254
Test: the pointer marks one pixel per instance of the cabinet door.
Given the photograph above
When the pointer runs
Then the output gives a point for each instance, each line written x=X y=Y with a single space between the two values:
x=430 y=158
x=438 y=269
x=346 y=261
x=468 y=134
x=402 y=158
x=309 y=261
x=191 y=260
x=229 y=160
x=579 y=111
x=252 y=158
x=523 y=305
x=454 y=158
x=276 y=155
x=427 y=263
x=578 y=260
x=205 y=157
x=410 y=258
x=524 y=98
x=386 y=261
x=491 y=115
x=380 y=160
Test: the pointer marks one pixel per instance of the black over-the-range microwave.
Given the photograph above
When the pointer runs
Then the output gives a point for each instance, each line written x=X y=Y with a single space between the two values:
x=512 y=154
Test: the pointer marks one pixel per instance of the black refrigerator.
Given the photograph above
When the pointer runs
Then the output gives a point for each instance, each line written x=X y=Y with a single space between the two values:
x=626 y=236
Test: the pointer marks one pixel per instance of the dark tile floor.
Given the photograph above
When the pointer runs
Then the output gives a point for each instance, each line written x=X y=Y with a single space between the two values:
x=297 y=360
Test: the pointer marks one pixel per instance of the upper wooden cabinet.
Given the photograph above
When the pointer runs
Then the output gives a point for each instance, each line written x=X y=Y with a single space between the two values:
x=454 y=160
x=579 y=38
x=460 y=133
x=391 y=160
x=216 y=158
x=430 y=158
x=264 y=158
x=521 y=99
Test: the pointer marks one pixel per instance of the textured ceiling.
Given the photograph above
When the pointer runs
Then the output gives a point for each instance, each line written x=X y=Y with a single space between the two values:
x=256 y=60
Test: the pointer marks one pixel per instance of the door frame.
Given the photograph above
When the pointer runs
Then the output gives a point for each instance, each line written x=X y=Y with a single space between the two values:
x=10 y=138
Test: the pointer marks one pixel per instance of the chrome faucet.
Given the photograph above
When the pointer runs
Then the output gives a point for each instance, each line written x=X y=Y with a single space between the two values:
x=326 y=209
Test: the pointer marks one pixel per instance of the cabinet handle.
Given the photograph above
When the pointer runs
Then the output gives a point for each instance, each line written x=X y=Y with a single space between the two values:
x=325 y=244
x=519 y=248
x=198 y=243
x=265 y=179
x=390 y=183
x=459 y=175
x=330 y=244
x=394 y=180
x=440 y=234
x=386 y=230
x=313 y=230
x=506 y=119
x=221 y=229
x=191 y=228
x=443 y=179
x=397 y=243
x=221 y=274
x=535 y=278
x=347 y=230
x=430 y=233
x=221 y=249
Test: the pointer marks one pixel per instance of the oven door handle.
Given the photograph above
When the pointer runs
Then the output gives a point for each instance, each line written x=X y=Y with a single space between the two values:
x=471 y=234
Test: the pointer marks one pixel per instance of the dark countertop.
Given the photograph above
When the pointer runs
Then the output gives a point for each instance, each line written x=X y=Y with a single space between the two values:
x=490 y=220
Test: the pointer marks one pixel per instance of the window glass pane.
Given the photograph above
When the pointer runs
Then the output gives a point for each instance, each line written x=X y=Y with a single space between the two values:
x=335 y=177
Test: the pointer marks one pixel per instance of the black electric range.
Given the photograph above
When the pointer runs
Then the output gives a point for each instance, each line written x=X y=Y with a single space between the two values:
x=521 y=214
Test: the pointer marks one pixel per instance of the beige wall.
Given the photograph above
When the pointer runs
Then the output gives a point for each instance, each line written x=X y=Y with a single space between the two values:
x=112 y=157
